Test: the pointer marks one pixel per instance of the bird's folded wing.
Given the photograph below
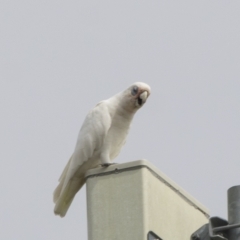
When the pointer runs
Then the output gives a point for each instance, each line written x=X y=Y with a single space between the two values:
x=90 y=138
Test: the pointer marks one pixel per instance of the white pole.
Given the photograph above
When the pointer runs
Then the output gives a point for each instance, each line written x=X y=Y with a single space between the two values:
x=127 y=201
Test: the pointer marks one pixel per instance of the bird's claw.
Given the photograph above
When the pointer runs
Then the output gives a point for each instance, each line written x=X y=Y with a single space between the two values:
x=107 y=164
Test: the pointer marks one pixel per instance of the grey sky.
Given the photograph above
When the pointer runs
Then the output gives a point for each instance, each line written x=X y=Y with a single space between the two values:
x=59 y=58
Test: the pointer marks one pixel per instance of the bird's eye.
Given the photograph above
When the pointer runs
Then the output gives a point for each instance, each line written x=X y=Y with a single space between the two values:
x=134 y=90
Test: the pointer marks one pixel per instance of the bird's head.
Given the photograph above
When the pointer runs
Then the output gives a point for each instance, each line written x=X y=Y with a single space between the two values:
x=136 y=95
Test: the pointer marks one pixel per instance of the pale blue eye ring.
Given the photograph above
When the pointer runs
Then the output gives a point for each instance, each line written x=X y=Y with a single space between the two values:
x=134 y=90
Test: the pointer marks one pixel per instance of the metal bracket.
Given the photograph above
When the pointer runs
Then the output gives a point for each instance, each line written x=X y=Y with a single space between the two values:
x=216 y=223
x=216 y=229
x=152 y=236
x=202 y=233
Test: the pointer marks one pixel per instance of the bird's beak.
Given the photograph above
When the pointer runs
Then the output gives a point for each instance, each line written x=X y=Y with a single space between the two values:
x=142 y=98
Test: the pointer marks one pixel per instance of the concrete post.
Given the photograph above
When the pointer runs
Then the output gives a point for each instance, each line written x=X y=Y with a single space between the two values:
x=127 y=201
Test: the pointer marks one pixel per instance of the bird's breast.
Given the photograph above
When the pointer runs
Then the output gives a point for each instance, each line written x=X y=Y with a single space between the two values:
x=116 y=136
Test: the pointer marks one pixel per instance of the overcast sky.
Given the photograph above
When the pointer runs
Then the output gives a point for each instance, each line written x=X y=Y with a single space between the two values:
x=59 y=58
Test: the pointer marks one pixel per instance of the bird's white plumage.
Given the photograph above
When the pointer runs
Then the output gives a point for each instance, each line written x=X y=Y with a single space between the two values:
x=100 y=140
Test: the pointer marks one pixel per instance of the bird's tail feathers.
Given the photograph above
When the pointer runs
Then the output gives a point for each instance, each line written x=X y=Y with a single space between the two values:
x=57 y=192
x=58 y=189
x=64 y=173
x=66 y=196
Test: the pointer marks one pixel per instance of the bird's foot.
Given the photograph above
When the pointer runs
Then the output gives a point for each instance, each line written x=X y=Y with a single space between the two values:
x=107 y=164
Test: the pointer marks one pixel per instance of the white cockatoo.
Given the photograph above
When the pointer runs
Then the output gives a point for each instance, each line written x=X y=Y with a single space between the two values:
x=100 y=140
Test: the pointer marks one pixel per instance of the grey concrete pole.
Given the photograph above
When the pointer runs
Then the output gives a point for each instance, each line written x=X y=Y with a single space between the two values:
x=234 y=211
